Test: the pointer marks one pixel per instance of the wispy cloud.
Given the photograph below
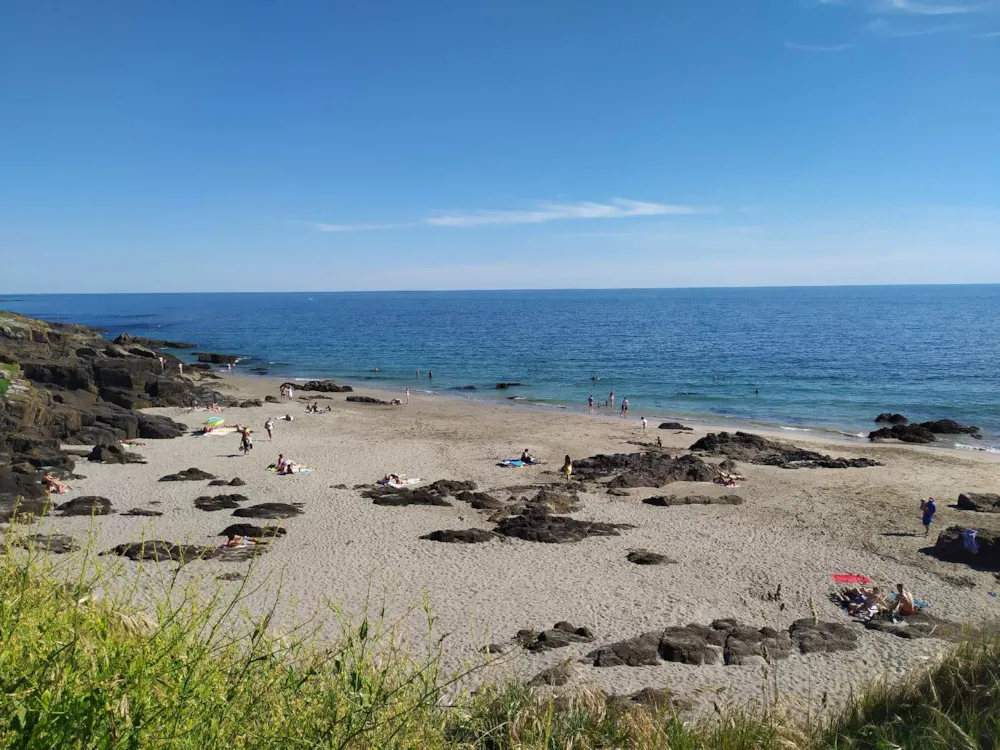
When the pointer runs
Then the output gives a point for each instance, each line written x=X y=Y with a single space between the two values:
x=924 y=9
x=883 y=28
x=820 y=47
x=618 y=208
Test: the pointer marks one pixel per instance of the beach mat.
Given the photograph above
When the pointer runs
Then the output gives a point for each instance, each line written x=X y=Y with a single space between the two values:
x=850 y=578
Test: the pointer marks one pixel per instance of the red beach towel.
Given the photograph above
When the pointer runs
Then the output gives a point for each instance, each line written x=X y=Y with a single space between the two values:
x=850 y=578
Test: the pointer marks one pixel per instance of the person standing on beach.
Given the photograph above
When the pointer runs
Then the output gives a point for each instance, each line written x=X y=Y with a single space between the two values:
x=269 y=427
x=611 y=399
x=928 y=509
x=567 y=468
x=624 y=408
x=590 y=404
x=407 y=395
x=180 y=368
x=644 y=423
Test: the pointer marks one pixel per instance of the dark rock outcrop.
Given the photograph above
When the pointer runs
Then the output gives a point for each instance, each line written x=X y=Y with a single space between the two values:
x=554 y=676
x=480 y=500
x=220 y=502
x=538 y=525
x=322 y=386
x=114 y=454
x=742 y=446
x=904 y=433
x=85 y=506
x=645 y=557
x=236 y=482
x=505 y=386
x=982 y=553
x=641 y=651
x=460 y=536
x=951 y=427
x=652 y=469
x=920 y=625
x=666 y=501
x=368 y=400
x=559 y=635
x=154 y=427
x=674 y=426
x=462 y=388
x=435 y=493
x=155 y=550
x=22 y=495
x=890 y=418
x=980 y=502
x=188 y=475
x=58 y=544
x=145 y=512
x=217 y=359
x=126 y=340
x=250 y=403
x=274 y=511
x=823 y=637
x=252 y=531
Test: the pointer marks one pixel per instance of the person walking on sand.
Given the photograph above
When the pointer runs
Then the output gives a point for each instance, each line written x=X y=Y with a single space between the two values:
x=567 y=468
x=644 y=423
x=590 y=404
x=928 y=509
x=269 y=426
x=624 y=408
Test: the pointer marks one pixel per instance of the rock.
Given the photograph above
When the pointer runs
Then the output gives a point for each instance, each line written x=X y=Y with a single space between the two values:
x=742 y=446
x=505 y=386
x=687 y=646
x=462 y=388
x=891 y=418
x=86 y=506
x=236 y=482
x=269 y=511
x=462 y=536
x=368 y=400
x=114 y=454
x=666 y=501
x=920 y=625
x=217 y=359
x=251 y=531
x=728 y=466
x=822 y=637
x=230 y=577
x=645 y=557
x=912 y=433
x=271 y=399
x=641 y=651
x=143 y=512
x=980 y=502
x=480 y=500
x=660 y=700
x=950 y=547
x=124 y=339
x=322 y=386
x=674 y=426
x=218 y=483
x=433 y=494
x=21 y=496
x=951 y=427
x=158 y=551
x=188 y=475
x=58 y=544
x=537 y=525
x=559 y=635
x=220 y=502
x=251 y=402
x=652 y=469
x=556 y=675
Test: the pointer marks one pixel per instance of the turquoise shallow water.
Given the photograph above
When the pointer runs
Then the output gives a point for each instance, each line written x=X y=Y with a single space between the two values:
x=822 y=358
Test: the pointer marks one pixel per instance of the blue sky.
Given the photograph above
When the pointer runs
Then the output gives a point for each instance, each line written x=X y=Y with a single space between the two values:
x=190 y=146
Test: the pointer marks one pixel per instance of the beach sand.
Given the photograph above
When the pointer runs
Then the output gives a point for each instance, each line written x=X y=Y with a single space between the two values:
x=795 y=529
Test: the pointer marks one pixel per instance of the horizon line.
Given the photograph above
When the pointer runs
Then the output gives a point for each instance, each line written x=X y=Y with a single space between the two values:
x=11 y=296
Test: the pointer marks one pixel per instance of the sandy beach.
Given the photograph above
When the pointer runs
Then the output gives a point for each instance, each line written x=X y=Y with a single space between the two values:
x=794 y=530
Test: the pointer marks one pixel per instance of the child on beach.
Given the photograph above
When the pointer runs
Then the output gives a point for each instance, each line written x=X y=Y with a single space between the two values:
x=624 y=408
x=269 y=426
x=567 y=468
x=644 y=423
x=929 y=509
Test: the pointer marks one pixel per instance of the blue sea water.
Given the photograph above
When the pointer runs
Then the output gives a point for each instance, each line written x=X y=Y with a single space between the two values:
x=822 y=357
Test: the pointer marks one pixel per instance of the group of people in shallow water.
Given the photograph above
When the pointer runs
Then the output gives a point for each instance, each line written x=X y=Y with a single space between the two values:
x=609 y=403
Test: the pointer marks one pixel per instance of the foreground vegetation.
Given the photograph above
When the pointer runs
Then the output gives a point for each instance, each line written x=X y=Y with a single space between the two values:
x=84 y=669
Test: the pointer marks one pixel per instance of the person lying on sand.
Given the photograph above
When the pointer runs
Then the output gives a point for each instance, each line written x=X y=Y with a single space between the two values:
x=54 y=486
x=241 y=541
x=394 y=479
x=871 y=602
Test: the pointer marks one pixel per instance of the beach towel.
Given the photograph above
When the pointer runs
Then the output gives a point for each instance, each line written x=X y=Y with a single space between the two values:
x=969 y=541
x=511 y=463
x=850 y=578
x=387 y=483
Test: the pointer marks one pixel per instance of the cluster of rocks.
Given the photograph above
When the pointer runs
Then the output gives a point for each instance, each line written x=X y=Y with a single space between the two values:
x=156 y=550
x=919 y=433
x=436 y=493
x=667 y=501
x=754 y=449
x=72 y=386
x=539 y=525
x=984 y=502
x=320 y=386
x=560 y=635
x=725 y=642
x=649 y=469
x=370 y=400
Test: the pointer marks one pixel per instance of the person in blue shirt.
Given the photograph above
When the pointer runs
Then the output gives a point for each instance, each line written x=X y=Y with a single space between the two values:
x=929 y=509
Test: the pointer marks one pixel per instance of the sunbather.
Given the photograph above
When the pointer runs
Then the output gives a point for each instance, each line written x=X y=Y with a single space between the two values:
x=526 y=457
x=54 y=486
x=871 y=602
x=904 y=604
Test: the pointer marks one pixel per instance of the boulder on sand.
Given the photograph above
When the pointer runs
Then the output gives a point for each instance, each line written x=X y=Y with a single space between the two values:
x=188 y=475
x=537 y=525
x=645 y=557
x=368 y=400
x=269 y=511
x=890 y=418
x=460 y=536
x=322 y=386
x=651 y=469
x=904 y=433
x=667 y=501
x=742 y=446
x=674 y=426
x=976 y=547
x=559 y=635
x=86 y=506
x=252 y=531
x=981 y=502
x=220 y=502
x=811 y=637
x=114 y=454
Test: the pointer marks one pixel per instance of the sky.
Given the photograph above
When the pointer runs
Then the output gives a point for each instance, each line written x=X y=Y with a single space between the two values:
x=489 y=144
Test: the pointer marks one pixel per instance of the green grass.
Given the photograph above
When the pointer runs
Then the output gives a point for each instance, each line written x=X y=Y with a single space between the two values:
x=8 y=373
x=173 y=666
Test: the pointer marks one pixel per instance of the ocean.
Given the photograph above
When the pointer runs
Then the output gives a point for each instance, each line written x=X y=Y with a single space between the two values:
x=822 y=358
